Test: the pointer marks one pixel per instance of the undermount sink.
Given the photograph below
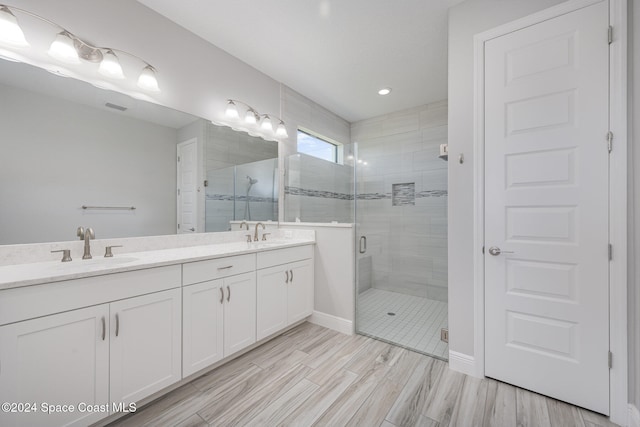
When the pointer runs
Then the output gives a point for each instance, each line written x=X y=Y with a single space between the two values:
x=265 y=245
x=79 y=263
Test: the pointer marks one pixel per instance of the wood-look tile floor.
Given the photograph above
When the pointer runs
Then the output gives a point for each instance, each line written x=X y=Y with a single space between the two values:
x=313 y=376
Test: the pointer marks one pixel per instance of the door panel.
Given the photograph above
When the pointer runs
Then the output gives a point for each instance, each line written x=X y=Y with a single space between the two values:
x=60 y=359
x=145 y=345
x=239 y=312
x=546 y=208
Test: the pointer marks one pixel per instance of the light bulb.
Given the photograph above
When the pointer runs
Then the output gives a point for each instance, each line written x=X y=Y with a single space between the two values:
x=266 y=123
x=250 y=117
x=110 y=66
x=10 y=32
x=281 y=130
x=232 y=110
x=147 y=79
x=384 y=91
x=63 y=49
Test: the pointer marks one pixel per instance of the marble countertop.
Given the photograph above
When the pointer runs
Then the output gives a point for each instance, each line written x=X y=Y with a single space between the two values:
x=19 y=275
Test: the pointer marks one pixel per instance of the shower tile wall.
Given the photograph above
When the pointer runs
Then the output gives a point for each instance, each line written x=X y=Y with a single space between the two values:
x=407 y=243
x=318 y=191
x=225 y=148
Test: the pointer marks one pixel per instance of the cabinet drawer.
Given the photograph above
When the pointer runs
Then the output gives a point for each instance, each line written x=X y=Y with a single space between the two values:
x=201 y=271
x=284 y=256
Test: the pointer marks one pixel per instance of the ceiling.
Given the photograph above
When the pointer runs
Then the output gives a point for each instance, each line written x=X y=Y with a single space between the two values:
x=337 y=53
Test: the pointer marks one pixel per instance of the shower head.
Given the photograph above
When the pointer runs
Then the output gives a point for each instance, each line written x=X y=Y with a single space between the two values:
x=251 y=180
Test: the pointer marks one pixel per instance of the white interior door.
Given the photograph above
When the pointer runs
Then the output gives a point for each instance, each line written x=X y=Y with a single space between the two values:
x=187 y=186
x=546 y=208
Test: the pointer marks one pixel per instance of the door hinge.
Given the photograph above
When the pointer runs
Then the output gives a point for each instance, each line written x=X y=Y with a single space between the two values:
x=610 y=140
x=178 y=191
x=178 y=158
x=610 y=34
x=206 y=182
x=178 y=226
x=483 y=250
x=610 y=360
x=610 y=252
x=444 y=335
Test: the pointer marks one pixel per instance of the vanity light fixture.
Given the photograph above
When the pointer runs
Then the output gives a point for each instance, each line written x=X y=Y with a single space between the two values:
x=232 y=110
x=110 y=66
x=10 y=32
x=266 y=123
x=282 y=130
x=384 y=91
x=252 y=117
x=147 y=79
x=63 y=49
x=71 y=49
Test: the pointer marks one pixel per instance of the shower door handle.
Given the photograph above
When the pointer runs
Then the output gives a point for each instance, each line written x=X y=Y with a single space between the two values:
x=363 y=244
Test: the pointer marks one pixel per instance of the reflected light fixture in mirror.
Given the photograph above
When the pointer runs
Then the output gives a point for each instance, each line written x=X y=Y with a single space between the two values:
x=69 y=48
x=252 y=117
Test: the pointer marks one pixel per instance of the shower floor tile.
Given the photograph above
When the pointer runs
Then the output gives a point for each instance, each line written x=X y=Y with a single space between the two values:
x=415 y=325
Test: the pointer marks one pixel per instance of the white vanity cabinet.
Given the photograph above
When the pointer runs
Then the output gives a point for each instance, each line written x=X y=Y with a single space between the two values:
x=284 y=288
x=121 y=347
x=145 y=352
x=219 y=313
x=57 y=359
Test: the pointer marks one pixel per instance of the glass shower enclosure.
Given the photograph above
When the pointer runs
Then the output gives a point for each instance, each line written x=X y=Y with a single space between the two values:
x=401 y=240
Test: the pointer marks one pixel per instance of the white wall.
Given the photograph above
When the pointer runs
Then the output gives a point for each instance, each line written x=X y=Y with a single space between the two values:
x=466 y=20
x=334 y=304
x=97 y=158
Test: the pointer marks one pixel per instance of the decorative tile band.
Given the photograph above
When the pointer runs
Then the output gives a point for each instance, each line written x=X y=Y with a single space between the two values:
x=297 y=191
x=230 y=198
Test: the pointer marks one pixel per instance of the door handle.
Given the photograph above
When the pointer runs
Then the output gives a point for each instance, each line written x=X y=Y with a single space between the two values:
x=221 y=295
x=291 y=271
x=104 y=328
x=228 y=293
x=495 y=251
x=363 y=248
x=287 y=276
x=192 y=229
x=117 y=324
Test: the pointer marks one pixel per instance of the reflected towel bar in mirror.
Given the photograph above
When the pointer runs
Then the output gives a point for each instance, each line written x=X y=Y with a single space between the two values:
x=120 y=208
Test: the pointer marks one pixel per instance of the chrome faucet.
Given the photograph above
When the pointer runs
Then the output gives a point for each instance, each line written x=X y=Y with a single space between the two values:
x=255 y=236
x=244 y=223
x=88 y=235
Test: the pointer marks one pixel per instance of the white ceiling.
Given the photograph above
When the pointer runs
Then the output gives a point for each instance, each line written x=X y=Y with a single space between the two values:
x=338 y=53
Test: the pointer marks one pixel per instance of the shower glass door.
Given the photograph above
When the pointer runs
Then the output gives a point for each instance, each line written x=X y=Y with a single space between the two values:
x=401 y=240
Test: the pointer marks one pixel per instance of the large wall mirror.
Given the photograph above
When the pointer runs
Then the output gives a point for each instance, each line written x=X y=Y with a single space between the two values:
x=67 y=145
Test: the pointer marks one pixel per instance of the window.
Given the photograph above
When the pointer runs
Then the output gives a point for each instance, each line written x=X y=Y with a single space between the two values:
x=317 y=146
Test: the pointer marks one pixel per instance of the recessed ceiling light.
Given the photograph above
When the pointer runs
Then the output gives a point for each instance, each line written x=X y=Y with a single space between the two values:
x=384 y=91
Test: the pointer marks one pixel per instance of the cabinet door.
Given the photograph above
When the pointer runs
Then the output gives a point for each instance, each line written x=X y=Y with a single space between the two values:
x=202 y=330
x=239 y=312
x=145 y=345
x=272 y=300
x=59 y=359
x=300 y=290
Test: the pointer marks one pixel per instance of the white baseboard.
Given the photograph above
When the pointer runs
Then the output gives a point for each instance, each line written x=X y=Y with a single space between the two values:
x=634 y=416
x=461 y=362
x=332 y=322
